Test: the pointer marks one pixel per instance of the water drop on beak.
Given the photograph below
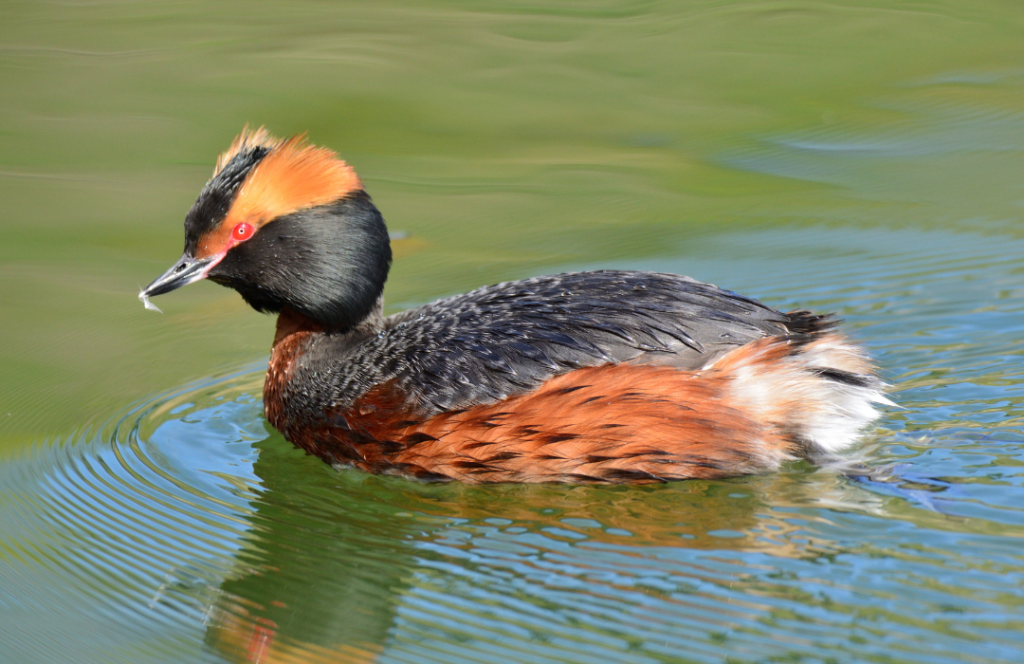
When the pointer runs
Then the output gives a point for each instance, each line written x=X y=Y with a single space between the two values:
x=146 y=303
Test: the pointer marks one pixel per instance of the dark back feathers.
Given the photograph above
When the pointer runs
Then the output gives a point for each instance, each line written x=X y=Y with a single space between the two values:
x=507 y=339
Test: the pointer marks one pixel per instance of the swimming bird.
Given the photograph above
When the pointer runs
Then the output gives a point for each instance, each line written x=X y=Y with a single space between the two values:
x=604 y=376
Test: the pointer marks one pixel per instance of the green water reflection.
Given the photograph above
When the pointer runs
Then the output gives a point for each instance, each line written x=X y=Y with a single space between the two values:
x=863 y=157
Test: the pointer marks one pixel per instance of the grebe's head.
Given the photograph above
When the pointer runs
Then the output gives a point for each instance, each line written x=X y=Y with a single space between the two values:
x=286 y=224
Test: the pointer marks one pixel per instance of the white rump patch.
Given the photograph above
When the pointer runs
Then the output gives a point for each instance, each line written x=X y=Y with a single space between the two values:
x=790 y=392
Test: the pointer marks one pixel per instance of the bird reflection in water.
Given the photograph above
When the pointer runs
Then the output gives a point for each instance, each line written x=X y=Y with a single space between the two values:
x=330 y=557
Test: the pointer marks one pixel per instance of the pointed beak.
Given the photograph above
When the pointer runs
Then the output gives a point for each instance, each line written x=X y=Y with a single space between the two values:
x=184 y=272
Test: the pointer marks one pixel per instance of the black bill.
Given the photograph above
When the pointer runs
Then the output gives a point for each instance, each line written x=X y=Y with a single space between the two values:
x=184 y=272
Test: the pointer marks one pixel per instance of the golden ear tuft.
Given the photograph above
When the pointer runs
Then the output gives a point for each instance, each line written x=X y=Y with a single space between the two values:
x=249 y=138
x=293 y=176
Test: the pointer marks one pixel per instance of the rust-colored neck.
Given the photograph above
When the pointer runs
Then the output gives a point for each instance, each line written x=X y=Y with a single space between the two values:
x=293 y=330
x=291 y=323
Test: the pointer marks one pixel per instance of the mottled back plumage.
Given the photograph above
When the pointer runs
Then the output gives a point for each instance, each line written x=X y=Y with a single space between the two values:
x=507 y=339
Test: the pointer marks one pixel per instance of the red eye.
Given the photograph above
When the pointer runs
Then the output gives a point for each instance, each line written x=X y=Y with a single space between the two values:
x=242 y=231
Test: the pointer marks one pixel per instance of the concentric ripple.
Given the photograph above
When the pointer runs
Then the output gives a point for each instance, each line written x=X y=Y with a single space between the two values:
x=124 y=531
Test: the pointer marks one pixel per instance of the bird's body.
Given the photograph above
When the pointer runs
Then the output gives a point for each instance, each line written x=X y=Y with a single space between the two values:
x=606 y=376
